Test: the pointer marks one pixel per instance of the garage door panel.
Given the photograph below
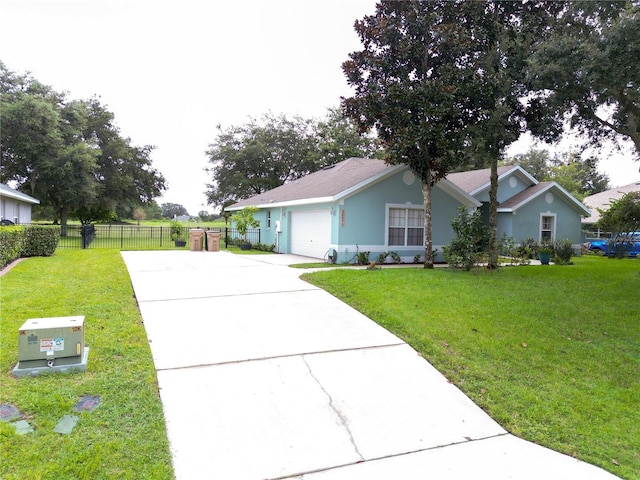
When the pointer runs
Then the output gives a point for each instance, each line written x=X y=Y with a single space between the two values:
x=311 y=233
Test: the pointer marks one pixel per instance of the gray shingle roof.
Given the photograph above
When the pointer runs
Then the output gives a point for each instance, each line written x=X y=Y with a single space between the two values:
x=329 y=182
x=534 y=191
x=475 y=179
x=525 y=195
x=603 y=200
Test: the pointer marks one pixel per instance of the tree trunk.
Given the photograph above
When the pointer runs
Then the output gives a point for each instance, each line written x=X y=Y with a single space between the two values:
x=63 y=222
x=428 y=236
x=493 y=216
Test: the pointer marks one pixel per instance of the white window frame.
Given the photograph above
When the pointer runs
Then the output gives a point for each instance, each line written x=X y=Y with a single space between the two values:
x=406 y=207
x=554 y=222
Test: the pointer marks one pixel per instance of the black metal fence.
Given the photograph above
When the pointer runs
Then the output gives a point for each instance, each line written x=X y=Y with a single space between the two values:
x=133 y=237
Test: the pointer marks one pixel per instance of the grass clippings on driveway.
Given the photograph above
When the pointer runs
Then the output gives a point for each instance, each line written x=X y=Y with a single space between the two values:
x=551 y=353
x=124 y=437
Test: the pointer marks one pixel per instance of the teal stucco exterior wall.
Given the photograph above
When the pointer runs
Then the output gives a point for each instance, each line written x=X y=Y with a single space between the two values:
x=362 y=218
x=525 y=222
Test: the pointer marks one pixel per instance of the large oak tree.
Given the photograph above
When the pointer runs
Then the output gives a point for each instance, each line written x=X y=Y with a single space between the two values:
x=586 y=73
x=69 y=154
x=265 y=153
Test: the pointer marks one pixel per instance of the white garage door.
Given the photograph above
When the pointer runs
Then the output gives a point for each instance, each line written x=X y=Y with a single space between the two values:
x=311 y=233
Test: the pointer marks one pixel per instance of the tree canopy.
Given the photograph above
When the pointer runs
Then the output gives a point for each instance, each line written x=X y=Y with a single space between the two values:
x=69 y=154
x=449 y=84
x=586 y=72
x=172 y=210
x=440 y=81
x=578 y=175
x=262 y=154
x=623 y=215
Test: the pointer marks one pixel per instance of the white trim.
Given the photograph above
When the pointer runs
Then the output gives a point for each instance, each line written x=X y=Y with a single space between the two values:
x=553 y=228
x=516 y=168
x=8 y=192
x=401 y=206
x=457 y=193
x=448 y=187
x=579 y=206
x=369 y=181
x=288 y=203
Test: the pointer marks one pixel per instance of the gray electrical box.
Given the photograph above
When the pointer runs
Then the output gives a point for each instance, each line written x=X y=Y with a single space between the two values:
x=51 y=343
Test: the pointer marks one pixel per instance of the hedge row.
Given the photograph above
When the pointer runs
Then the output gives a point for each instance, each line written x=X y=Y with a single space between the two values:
x=27 y=241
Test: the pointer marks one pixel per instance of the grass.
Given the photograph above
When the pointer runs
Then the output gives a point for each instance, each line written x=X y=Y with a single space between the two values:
x=125 y=436
x=551 y=353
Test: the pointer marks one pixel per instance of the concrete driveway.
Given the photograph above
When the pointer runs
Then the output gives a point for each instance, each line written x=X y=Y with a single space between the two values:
x=263 y=376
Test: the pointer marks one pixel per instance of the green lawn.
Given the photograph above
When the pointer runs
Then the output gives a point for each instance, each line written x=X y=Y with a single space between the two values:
x=125 y=436
x=552 y=353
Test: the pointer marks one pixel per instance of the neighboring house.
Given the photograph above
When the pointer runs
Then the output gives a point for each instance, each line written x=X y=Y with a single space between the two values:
x=603 y=201
x=357 y=205
x=526 y=208
x=363 y=205
x=15 y=206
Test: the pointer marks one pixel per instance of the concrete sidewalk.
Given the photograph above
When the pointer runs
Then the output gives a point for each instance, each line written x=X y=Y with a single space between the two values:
x=263 y=376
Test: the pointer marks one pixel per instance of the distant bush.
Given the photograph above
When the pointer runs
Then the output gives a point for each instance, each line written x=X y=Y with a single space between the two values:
x=11 y=239
x=39 y=240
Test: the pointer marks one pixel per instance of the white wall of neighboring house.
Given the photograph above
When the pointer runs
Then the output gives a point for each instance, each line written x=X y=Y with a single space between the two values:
x=15 y=206
x=16 y=211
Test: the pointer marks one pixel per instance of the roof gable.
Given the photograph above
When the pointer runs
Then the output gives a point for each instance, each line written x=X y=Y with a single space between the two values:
x=325 y=184
x=476 y=181
x=533 y=192
x=337 y=182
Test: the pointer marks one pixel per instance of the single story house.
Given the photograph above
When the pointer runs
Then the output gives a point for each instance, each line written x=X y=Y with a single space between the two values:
x=603 y=201
x=15 y=206
x=365 y=205
x=526 y=208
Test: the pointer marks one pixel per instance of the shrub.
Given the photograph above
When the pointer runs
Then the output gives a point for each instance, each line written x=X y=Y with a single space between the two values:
x=517 y=254
x=39 y=241
x=528 y=248
x=11 y=239
x=263 y=247
x=470 y=241
x=562 y=252
x=362 y=258
x=177 y=232
x=382 y=258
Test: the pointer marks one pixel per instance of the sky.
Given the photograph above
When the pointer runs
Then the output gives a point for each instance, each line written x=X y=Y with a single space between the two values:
x=172 y=71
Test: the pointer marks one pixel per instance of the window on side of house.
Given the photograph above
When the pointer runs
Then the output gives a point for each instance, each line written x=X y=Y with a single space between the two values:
x=547 y=227
x=406 y=227
x=268 y=218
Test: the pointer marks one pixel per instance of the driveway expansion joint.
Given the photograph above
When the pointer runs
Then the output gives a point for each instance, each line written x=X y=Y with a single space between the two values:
x=184 y=299
x=337 y=411
x=301 y=475
x=276 y=357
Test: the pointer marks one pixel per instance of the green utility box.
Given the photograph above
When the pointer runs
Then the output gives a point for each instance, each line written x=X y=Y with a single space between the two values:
x=51 y=343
